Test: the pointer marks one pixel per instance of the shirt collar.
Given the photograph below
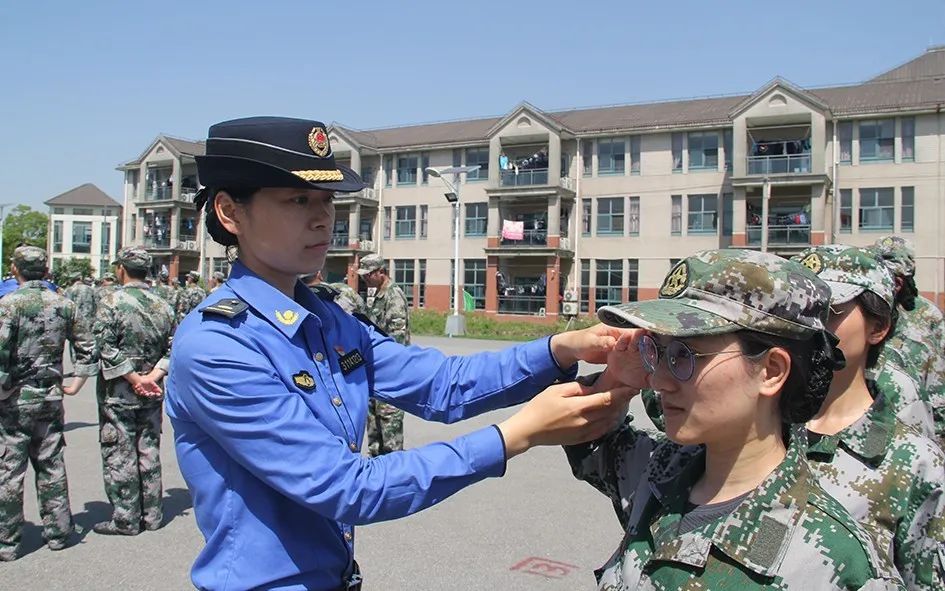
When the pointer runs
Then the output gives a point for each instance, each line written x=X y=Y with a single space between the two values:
x=871 y=436
x=138 y=284
x=286 y=314
x=756 y=534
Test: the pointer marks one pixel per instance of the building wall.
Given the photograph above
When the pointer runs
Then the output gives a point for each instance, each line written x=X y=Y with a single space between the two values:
x=99 y=258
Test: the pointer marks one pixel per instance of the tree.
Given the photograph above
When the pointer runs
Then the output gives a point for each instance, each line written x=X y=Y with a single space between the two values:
x=24 y=225
x=80 y=266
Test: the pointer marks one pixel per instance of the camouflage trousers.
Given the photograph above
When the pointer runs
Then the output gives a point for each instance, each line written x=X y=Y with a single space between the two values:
x=385 y=428
x=33 y=434
x=131 y=464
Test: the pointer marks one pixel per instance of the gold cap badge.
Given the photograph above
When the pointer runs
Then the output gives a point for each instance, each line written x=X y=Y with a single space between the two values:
x=318 y=141
x=676 y=281
x=813 y=262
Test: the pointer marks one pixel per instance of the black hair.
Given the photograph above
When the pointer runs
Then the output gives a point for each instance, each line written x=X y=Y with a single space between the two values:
x=906 y=295
x=216 y=230
x=32 y=275
x=875 y=308
x=813 y=362
x=138 y=274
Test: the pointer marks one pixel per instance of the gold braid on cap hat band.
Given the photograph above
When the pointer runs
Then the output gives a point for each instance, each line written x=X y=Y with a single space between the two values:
x=319 y=175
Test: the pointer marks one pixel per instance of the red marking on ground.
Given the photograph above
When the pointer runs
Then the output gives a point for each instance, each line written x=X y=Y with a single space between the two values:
x=545 y=567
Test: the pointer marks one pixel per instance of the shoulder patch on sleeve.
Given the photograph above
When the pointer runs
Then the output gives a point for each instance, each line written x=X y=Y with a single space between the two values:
x=365 y=320
x=325 y=291
x=229 y=307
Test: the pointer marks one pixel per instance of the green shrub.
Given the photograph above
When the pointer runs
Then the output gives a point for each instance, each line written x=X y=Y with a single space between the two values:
x=480 y=326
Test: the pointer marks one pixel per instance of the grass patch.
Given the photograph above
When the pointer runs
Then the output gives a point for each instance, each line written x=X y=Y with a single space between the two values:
x=479 y=326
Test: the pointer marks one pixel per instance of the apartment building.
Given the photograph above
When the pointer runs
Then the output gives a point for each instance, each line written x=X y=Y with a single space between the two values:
x=84 y=222
x=572 y=210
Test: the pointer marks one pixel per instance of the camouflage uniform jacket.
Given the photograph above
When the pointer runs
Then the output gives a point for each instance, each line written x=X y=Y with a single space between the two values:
x=389 y=310
x=133 y=330
x=188 y=299
x=349 y=300
x=918 y=348
x=102 y=291
x=84 y=298
x=34 y=325
x=166 y=293
x=787 y=534
x=890 y=478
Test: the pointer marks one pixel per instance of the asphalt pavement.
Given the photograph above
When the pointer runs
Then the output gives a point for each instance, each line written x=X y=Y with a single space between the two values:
x=535 y=528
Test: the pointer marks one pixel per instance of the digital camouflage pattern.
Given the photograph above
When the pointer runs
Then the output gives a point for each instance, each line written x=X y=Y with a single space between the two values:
x=133 y=257
x=85 y=301
x=133 y=330
x=385 y=424
x=889 y=477
x=787 y=534
x=167 y=293
x=35 y=324
x=370 y=263
x=905 y=398
x=189 y=298
x=849 y=271
x=897 y=254
x=349 y=300
x=30 y=259
x=722 y=291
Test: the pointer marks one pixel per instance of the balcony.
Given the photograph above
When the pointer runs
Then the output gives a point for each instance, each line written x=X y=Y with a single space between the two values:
x=339 y=240
x=155 y=194
x=522 y=305
x=780 y=235
x=524 y=177
x=529 y=238
x=154 y=242
x=786 y=164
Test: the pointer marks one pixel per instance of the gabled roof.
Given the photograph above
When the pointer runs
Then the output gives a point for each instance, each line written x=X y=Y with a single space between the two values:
x=928 y=65
x=87 y=194
x=786 y=86
x=525 y=108
x=178 y=147
x=898 y=95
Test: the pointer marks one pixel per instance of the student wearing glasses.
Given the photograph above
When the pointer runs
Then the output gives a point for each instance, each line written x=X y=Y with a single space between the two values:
x=738 y=349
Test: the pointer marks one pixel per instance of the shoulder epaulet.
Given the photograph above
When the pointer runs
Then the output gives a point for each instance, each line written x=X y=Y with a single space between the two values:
x=230 y=308
x=365 y=320
x=325 y=291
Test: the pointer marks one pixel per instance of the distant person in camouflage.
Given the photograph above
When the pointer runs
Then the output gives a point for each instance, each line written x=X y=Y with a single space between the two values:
x=166 y=290
x=887 y=475
x=738 y=348
x=133 y=331
x=191 y=296
x=84 y=297
x=107 y=284
x=216 y=280
x=341 y=293
x=34 y=326
x=388 y=309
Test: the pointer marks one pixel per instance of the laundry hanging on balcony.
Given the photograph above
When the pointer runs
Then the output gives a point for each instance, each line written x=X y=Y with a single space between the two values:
x=513 y=230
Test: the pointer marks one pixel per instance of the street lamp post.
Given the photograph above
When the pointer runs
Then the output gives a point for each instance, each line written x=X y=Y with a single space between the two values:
x=2 y=217
x=456 y=322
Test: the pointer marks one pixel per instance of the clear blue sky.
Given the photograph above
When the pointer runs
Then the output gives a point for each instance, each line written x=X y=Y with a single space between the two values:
x=88 y=85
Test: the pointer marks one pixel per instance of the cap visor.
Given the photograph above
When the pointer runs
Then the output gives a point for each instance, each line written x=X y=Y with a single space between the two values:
x=678 y=318
x=841 y=293
x=363 y=271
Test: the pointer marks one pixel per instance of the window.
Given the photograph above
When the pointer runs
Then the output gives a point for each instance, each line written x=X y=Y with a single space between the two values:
x=404 y=277
x=476 y=216
x=59 y=210
x=366 y=231
x=704 y=151
x=876 y=209
x=677 y=152
x=610 y=156
x=106 y=237
x=388 y=170
x=587 y=157
x=221 y=266
x=845 y=137
x=846 y=210
x=703 y=214
x=367 y=175
x=423 y=284
x=610 y=216
x=424 y=165
x=565 y=164
x=406 y=226
x=907 y=210
x=633 y=216
x=387 y=218
x=585 y=217
x=633 y=278
x=585 y=285
x=57 y=237
x=676 y=219
x=83 y=211
x=635 y=155
x=474 y=281
x=82 y=237
x=478 y=156
x=727 y=214
x=728 y=147
x=134 y=225
x=457 y=157
x=407 y=169
x=908 y=139
x=877 y=140
x=609 y=283
x=424 y=221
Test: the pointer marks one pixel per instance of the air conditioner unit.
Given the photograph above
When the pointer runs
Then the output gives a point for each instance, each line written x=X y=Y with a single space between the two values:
x=565 y=243
x=569 y=308
x=191 y=245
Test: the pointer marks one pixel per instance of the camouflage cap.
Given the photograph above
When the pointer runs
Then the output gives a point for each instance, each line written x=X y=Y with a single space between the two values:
x=849 y=271
x=133 y=257
x=193 y=275
x=897 y=254
x=219 y=276
x=723 y=291
x=29 y=259
x=370 y=263
x=109 y=276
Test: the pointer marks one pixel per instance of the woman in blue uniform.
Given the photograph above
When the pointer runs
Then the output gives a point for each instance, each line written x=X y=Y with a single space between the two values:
x=269 y=384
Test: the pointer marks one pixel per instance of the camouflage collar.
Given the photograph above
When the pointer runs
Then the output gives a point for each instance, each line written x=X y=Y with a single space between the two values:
x=33 y=284
x=135 y=283
x=756 y=534
x=869 y=437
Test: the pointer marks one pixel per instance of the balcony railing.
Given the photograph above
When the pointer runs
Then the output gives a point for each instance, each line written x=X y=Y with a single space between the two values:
x=339 y=240
x=187 y=194
x=788 y=164
x=529 y=238
x=524 y=177
x=523 y=305
x=152 y=242
x=798 y=234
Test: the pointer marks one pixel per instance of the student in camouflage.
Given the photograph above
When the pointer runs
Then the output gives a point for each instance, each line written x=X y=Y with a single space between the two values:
x=164 y=289
x=34 y=326
x=888 y=476
x=84 y=298
x=133 y=331
x=737 y=347
x=216 y=280
x=388 y=309
x=191 y=296
x=341 y=293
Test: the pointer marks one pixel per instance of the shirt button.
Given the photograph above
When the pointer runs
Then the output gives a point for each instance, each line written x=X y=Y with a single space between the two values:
x=336 y=401
x=353 y=446
x=348 y=536
x=319 y=357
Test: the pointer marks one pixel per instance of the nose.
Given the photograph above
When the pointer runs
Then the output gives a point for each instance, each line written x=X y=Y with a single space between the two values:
x=322 y=214
x=661 y=379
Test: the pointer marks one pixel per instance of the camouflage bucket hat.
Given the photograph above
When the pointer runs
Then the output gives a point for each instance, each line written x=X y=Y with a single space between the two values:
x=849 y=271
x=133 y=257
x=897 y=254
x=370 y=263
x=723 y=291
x=29 y=259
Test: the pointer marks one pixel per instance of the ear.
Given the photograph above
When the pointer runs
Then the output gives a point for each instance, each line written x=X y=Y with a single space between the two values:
x=228 y=212
x=875 y=331
x=775 y=368
x=899 y=283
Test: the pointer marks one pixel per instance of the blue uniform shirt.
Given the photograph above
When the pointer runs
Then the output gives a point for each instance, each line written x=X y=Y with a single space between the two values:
x=269 y=410
x=11 y=285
